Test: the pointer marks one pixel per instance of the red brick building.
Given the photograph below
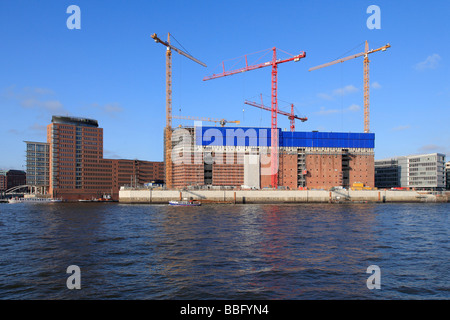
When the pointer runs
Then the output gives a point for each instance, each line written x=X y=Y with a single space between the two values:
x=77 y=169
x=12 y=178
x=215 y=157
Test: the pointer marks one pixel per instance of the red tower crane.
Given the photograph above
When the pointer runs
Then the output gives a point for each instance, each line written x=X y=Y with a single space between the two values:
x=274 y=107
x=291 y=115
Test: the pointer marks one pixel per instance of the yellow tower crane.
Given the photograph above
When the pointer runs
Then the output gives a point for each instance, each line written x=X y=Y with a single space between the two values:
x=366 y=76
x=221 y=121
x=168 y=129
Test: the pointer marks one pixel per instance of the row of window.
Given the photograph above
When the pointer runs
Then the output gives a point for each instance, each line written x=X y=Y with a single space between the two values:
x=433 y=178
x=37 y=147
x=423 y=164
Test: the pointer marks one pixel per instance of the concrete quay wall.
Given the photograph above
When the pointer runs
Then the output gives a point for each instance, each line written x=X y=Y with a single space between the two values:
x=276 y=196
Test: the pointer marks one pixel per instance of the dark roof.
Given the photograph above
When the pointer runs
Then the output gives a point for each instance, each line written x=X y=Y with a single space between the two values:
x=75 y=121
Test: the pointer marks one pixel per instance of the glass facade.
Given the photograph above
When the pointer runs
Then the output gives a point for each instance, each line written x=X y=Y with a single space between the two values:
x=425 y=171
x=37 y=162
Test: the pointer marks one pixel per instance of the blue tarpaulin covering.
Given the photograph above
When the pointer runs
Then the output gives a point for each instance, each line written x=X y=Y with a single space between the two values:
x=249 y=136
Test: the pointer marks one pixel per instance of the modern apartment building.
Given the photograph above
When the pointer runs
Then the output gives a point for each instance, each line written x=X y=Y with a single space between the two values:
x=38 y=165
x=71 y=164
x=421 y=172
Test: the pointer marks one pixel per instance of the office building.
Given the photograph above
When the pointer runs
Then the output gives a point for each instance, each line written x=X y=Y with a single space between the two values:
x=71 y=164
x=447 y=175
x=420 y=172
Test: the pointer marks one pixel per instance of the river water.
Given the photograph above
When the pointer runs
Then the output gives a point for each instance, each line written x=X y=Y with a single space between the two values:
x=295 y=252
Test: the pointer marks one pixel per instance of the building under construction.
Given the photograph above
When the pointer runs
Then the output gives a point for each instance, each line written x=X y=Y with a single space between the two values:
x=209 y=157
x=240 y=157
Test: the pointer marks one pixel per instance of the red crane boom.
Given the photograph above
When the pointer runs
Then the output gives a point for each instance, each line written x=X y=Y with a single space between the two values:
x=274 y=107
x=291 y=115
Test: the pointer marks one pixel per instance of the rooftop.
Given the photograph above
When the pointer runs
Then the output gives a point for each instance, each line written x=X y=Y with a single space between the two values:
x=75 y=121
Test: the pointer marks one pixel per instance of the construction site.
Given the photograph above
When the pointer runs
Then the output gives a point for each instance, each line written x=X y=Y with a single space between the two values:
x=199 y=157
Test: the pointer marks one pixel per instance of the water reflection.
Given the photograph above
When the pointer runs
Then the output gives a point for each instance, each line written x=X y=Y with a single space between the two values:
x=308 y=251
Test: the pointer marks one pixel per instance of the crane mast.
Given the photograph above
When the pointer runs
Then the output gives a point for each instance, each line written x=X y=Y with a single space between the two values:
x=291 y=115
x=366 y=77
x=168 y=128
x=274 y=101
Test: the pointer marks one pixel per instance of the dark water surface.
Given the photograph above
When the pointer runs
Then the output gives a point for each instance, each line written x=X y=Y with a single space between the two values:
x=304 y=251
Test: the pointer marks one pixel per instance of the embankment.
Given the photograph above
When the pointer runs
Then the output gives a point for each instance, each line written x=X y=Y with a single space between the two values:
x=278 y=196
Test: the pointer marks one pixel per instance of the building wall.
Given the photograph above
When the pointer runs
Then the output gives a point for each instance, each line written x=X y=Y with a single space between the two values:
x=362 y=170
x=323 y=171
x=228 y=170
x=16 y=178
x=387 y=173
x=424 y=171
x=287 y=171
x=403 y=165
x=109 y=175
x=3 y=180
x=251 y=171
x=188 y=170
x=306 y=159
x=38 y=165
x=77 y=169
x=447 y=175
x=12 y=178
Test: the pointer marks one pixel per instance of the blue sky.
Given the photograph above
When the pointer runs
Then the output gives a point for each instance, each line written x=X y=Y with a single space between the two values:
x=111 y=70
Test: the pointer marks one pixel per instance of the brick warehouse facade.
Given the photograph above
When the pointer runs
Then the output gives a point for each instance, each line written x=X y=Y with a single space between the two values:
x=76 y=167
x=11 y=178
x=212 y=156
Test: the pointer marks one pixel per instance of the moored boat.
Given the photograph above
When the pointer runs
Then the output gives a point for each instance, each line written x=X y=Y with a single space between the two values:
x=33 y=200
x=184 y=203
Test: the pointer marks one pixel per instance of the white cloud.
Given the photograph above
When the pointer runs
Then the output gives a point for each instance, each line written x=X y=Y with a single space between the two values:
x=35 y=98
x=338 y=92
x=38 y=127
x=39 y=91
x=325 y=96
x=15 y=131
x=345 y=90
x=354 y=107
x=431 y=62
x=53 y=106
x=401 y=128
x=351 y=108
x=324 y=111
x=110 y=109
x=109 y=154
x=376 y=85
x=432 y=148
